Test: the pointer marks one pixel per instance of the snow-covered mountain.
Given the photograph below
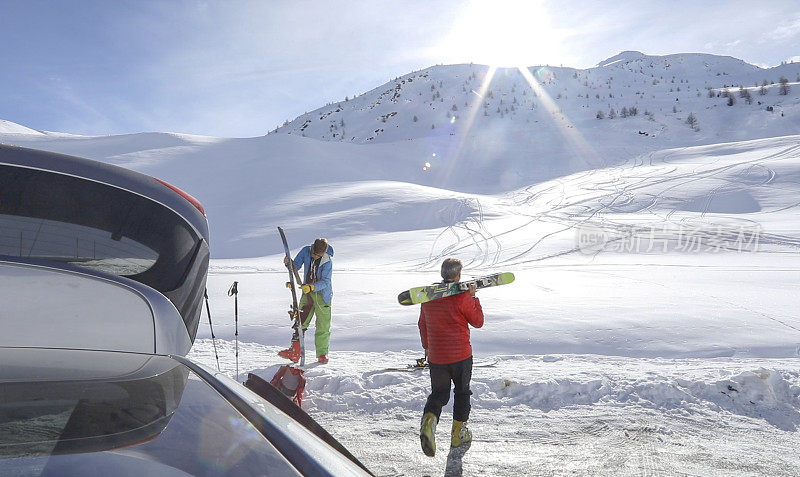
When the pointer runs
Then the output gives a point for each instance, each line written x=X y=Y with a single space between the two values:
x=651 y=97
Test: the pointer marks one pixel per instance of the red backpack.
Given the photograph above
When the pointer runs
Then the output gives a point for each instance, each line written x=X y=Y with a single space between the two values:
x=291 y=382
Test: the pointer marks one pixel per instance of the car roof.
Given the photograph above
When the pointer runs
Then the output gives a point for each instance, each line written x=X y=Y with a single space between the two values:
x=116 y=176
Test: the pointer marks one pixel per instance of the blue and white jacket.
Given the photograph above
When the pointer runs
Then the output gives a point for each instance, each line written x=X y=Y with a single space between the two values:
x=323 y=283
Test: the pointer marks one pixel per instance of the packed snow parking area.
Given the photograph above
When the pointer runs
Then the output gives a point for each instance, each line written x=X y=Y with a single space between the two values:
x=558 y=414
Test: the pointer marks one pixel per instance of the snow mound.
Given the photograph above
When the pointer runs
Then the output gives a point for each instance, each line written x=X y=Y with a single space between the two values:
x=762 y=394
x=367 y=381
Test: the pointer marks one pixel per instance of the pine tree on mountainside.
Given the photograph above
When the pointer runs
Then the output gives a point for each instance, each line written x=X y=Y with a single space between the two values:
x=784 y=88
x=691 y=120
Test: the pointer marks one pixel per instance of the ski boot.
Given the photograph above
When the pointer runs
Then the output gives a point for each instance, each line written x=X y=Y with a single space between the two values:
x=292 y=353
x=460 y=434
x=427 y=434
x=322 y=359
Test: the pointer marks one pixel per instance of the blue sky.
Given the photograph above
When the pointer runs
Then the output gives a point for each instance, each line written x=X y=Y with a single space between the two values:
x=239 y=68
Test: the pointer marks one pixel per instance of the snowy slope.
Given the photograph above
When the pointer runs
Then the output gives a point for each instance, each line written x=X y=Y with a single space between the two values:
x=242 y=181
x=683 y=230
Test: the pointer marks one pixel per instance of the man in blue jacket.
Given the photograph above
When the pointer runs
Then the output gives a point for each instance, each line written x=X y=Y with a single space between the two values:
x=317 y=262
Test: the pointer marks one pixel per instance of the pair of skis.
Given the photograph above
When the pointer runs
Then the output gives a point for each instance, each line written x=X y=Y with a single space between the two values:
x=428 y=293
x=294 y=310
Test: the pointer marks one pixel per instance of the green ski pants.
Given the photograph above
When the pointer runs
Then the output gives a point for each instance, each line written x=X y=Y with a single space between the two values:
x=312 y=304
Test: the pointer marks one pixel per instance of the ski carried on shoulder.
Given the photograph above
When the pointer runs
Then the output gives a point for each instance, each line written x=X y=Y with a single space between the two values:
x=297 y=350
x=440 y=290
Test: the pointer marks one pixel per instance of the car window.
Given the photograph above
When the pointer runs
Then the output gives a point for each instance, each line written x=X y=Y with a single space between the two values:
x=156 y=418
x=79 y=245
x=58 y=217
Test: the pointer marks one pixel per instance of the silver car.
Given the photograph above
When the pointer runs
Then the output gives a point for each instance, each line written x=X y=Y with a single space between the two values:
x=94 y=256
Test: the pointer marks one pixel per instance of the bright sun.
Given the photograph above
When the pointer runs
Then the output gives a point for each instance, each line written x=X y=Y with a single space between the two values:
x=503 y=33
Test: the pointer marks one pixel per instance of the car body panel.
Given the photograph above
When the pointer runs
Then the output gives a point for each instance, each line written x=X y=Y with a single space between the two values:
x=127 y=179
x=66 y=307
x=72 y=213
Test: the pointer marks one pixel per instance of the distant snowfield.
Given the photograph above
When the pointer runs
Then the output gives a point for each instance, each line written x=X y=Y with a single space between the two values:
x=722 y=288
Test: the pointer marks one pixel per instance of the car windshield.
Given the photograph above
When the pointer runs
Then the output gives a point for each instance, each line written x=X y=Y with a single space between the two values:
x=121 y=414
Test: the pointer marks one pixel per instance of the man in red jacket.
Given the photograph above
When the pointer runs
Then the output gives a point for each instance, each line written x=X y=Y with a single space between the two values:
x=444 y=330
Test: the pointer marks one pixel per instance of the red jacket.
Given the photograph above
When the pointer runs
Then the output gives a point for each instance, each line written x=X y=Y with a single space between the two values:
x=443 y=327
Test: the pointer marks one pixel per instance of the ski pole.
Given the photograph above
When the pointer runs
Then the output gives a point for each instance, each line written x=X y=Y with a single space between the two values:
x=234 y=292
x=213 y=338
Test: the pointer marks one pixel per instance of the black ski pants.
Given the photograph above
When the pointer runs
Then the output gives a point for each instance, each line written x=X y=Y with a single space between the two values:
x=460 y=374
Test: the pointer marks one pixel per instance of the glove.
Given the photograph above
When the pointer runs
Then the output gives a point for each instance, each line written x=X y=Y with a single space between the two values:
x=307 y=288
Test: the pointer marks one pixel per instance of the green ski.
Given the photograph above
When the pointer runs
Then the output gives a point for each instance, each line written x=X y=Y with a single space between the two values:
x=441 y=290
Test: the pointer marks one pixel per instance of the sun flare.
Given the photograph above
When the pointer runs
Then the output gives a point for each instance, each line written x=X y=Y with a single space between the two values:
x=503 y=33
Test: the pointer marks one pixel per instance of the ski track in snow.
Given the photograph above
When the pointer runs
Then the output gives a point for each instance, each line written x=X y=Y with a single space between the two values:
x=594 y=202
